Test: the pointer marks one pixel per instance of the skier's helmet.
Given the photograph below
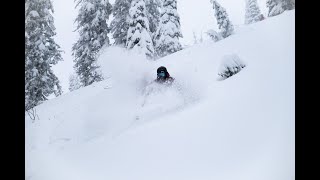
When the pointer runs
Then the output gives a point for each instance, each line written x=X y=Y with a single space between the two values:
x=162 y=72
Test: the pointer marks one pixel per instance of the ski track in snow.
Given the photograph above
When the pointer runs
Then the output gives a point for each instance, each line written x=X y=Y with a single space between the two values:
x=156 y=103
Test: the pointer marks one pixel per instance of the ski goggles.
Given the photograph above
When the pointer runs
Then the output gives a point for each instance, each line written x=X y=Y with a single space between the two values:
x=162 y=74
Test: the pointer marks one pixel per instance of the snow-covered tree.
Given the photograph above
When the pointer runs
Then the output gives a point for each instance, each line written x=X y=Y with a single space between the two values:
x=195 y=39
x=214 y=35
x=288 y=4
x=277 y=7
x=93 y=29
x=120 y=24
x=138 y=36
x=168 y=33
x=201 y=37
x=74 y=82
x=274 y=7
x=253 y=13
x=230 y=65
x=225 y=25
x=153 y=14
x=41 y=52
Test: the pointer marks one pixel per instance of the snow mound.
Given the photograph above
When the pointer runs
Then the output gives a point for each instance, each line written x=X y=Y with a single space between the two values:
x=231 y=64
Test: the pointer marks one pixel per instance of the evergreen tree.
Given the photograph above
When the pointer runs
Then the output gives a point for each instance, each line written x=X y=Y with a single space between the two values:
x=168 y=33
x=214 y=35
x=253 y=13
x=225 y=25
x=120 y=24
x=74 y=82
x=195 y=39
x=41 y=52
x=93 y=30
x=230 y=65
x=277 y=7
x=288 y=4
x=153 y=14
x=138 y=36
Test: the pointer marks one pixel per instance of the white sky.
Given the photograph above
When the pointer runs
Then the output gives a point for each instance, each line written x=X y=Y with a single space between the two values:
x=195 y=16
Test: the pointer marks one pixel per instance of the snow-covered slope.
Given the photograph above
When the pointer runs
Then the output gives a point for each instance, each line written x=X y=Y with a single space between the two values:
x=238 y=128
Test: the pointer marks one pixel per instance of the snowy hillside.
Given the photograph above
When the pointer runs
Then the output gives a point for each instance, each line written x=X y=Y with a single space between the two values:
x=240 y=128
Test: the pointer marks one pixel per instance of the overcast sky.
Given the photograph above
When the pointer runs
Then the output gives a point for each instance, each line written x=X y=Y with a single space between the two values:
x=195 y=16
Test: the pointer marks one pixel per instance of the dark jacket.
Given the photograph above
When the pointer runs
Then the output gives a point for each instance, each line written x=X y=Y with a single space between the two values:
x=167 y=80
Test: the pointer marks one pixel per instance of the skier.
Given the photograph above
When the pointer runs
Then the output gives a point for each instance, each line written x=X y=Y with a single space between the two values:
x=163 y=77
